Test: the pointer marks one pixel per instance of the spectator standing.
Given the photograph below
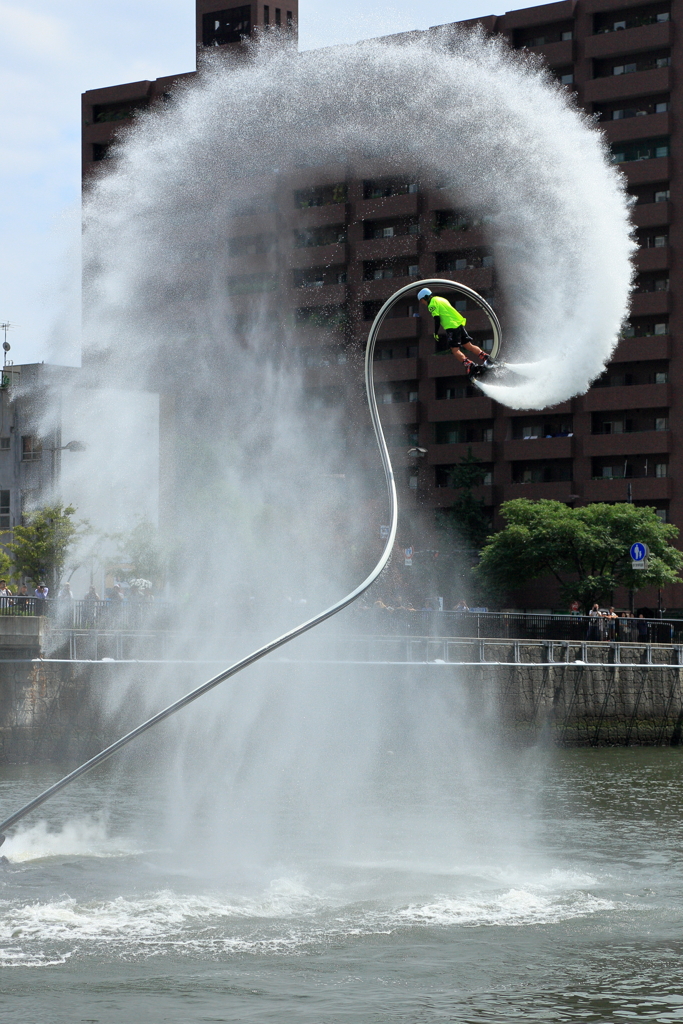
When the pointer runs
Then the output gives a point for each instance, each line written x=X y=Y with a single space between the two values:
x=22 y=600
x=40 y=593
x=593 y=624
x=117 y=598
x=90 y=602
x=66 y=593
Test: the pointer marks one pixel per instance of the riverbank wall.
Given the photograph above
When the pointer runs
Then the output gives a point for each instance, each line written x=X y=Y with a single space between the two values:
x=586 y=694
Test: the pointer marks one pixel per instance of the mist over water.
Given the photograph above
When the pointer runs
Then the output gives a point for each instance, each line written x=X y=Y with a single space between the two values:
x=301 y=805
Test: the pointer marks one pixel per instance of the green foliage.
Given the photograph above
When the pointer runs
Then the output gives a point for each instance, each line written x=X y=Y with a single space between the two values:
x=466 y=516
x=468 y=473
x=141 y=547
x=585 y=549
x=7 y=571
x=42 y=544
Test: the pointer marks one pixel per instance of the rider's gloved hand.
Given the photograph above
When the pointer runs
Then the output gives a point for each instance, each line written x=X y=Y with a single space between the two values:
x=436 y=337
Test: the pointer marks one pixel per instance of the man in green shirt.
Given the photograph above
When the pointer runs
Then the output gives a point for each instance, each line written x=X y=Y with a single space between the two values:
x=457 y=338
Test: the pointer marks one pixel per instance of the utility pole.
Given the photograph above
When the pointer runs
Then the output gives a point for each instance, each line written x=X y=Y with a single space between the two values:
x=629 y=498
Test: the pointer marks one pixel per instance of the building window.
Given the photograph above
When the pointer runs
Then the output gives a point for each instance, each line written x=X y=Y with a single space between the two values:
x=557 y=471
x=463 y=431
x=646 y=149
x=393 y=392
x=544 y=35
x=611 y=22
x=101 y=151
x=567 y=78
x=31 y=448
x=266 y=14
x=662 y=514
x=278 y=16
x=334 y=234
x=636 y=63
x=383 y=189
x=443 y=475
x=4 y=510
x=4 y=444
x=105 y=112
x=638 y=328
x=377 y=229
x=652 y=283
x=229 y=26
x=323 y=195
x=551 y=426
x=629 y=467
x=290 y=20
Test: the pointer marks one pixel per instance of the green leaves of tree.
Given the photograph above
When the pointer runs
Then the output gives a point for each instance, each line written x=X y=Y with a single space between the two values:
x=41 y=545
x=585 y=549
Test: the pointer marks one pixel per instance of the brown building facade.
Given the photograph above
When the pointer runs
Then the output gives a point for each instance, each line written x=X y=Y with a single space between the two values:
x=358 y=239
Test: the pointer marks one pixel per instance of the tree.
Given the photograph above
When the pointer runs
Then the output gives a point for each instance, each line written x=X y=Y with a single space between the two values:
x=466 y=516
x=141 y=548
x=42 y=544
x=585 y=549
x=6 y=566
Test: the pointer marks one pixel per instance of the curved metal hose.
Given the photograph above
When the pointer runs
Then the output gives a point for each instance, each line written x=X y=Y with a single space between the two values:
x=104 y=755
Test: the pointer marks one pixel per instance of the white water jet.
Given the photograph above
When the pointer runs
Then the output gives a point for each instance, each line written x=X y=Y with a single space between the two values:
x=350 y=765
x=493 y=127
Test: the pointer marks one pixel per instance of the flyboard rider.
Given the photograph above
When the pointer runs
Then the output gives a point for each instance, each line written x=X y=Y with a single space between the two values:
x=457 y=338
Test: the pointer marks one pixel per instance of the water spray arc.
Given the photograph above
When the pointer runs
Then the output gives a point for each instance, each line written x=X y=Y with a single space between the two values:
x=109 y=751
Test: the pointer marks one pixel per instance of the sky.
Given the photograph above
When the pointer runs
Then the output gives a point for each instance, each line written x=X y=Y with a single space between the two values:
x=51 y=53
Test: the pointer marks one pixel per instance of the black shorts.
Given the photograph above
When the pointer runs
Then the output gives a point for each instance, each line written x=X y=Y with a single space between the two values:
x=454 y=337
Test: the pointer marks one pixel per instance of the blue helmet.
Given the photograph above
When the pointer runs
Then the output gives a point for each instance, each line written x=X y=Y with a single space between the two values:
x=424 y=293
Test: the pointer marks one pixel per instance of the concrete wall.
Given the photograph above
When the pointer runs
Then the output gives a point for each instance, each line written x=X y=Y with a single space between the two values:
x=56 y=710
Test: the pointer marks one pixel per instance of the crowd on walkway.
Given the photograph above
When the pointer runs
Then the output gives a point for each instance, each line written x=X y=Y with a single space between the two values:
x=608 y=624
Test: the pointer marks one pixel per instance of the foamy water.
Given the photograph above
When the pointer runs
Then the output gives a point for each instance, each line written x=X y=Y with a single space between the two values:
x=284 y=918
x=288 y=915
x=580 y=922
x=77 y=838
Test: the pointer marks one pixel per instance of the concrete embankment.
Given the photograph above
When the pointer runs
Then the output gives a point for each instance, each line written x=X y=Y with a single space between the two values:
x=561 y=693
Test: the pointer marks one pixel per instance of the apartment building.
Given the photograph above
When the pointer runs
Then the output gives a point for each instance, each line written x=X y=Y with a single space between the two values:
x=352 y=237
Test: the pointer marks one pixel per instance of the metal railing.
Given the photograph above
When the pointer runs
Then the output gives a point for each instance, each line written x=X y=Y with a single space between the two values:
x=161 y=615
x=72 y=614
x=515 y=626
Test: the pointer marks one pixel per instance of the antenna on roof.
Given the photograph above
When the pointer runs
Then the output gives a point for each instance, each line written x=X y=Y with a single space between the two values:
x=5 y=327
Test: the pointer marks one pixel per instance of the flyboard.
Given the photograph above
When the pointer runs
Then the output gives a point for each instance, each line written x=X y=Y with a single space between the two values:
x=409 y=291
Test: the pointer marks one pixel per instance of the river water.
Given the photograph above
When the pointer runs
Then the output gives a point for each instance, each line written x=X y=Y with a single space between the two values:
x=579 y=920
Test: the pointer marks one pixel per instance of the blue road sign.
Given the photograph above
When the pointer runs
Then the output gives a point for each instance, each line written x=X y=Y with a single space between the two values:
x=638 y=552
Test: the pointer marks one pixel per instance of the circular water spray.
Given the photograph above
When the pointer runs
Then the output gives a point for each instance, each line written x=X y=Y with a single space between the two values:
x=485 y=127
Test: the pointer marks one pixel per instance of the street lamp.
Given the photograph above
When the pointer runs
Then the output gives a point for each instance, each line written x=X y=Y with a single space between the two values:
x=72 y=446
